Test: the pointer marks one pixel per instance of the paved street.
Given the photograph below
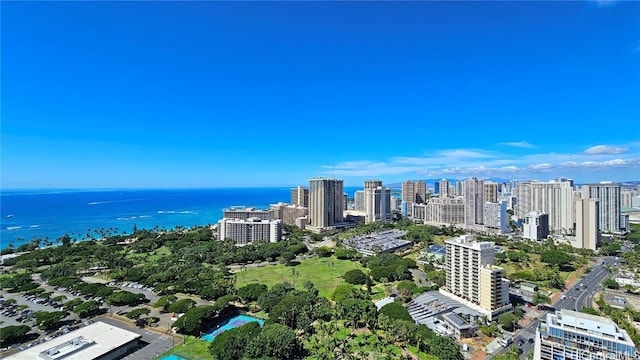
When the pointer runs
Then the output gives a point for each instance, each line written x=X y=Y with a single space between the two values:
x=582 y=291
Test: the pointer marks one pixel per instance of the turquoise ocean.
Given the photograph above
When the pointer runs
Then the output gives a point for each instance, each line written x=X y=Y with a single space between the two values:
x=30 y=214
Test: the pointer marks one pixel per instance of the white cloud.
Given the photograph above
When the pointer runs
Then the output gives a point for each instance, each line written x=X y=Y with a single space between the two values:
x=603 y=149
x=520 y=144
x=543 y=166
x=482 y=163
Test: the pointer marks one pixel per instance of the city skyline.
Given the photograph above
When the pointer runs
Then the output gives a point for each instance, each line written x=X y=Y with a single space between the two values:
x=226 y=94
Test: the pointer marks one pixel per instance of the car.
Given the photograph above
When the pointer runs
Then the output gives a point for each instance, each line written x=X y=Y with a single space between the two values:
x=530 y=340
x=563 y=297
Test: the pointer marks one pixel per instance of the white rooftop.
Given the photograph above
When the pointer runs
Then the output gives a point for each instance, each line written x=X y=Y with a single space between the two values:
x=105 y=338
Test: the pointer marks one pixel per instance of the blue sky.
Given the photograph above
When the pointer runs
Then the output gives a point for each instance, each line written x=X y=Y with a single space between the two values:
x=162 y=94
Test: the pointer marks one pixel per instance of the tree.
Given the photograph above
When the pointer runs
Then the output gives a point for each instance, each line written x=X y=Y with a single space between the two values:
x=611 y=283
x=395 y=311
x=87 y=308
x=135 y=314
x=275 y=341
x=231 y=344
x=181 y=306
x=251 y=292
x=508 y=321
x=49 y=320
x=355 y=277
x=539 y=298
x=12 y=334
x=555 y=257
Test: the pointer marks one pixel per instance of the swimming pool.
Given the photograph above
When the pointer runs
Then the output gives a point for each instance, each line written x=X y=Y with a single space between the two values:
x=172 y=357
x=232 y=323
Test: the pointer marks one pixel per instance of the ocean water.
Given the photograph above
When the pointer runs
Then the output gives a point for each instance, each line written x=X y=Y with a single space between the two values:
x=26 y=215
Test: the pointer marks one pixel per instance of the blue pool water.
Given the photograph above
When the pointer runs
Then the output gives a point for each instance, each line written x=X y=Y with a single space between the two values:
x=172 y=357
x=232 y=323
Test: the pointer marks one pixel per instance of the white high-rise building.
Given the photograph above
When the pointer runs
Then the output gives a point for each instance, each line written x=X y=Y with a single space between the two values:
x=326 y=198
x=609 y=196
x=474 y=201
x=553 y=198
x=568 y=334
x=440 y=211
x=472 y=278
x=377 y=202
x=247 y=231
x=587 y=229
x=444 y=188
x=536 y=226
x=496 y=217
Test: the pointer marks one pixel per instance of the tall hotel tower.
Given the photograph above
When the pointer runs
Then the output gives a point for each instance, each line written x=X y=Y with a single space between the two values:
x=326 y=198
x=473 y=201
x=377 y=202
x=609 y=211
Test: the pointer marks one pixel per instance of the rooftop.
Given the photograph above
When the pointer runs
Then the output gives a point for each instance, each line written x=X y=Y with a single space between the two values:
x=89 y=342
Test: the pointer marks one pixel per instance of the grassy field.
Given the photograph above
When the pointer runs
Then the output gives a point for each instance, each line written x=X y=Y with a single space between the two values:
x=193 y=348
x=324 y=273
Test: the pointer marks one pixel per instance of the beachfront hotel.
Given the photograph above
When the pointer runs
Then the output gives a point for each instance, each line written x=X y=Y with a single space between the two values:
x=568 y=334
x=377 y=202
x=247 y=231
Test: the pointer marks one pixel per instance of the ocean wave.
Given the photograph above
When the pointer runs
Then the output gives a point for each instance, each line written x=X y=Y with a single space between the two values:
x=111 y=201
x=188 y=212
x=34 y=226
x=144 y=216
x=13 y=227
x=127 y=218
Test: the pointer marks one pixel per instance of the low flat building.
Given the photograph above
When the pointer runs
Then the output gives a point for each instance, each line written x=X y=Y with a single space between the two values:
x=574 y=335
x=244 y=213
x=95 y=341
x=460 y=328
x=381 y=242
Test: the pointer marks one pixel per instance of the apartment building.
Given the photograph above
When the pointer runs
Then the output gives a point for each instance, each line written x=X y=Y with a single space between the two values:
x=472 y=278
x=554 y=198
x=609 y=209
x=587 y=224
x=377 y=202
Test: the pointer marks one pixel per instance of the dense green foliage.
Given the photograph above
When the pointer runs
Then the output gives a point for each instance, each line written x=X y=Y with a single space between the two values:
x=356 y=277
x=395 y=311
x=13 y=334
x=232 y=344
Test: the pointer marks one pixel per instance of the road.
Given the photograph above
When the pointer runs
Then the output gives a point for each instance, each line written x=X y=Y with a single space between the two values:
x=583 y=296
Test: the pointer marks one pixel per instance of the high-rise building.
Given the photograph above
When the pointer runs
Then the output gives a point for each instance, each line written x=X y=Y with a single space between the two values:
x=496 y=217
x=609 y=196
x=325 y=202
x=459 y=188
x=244 y=213
x=536 y=226
x=587 y=229
x=553 y=198
x=472 y=277
x=300 y=196
x=444 y=188
x=568 y=334
x=414 y=192
x=377 y=202
x=440 y=211
x=395 y=203
x=288 y=213
x=625 y=197
x=490 y=191
x=436 y=188
x=473 y=201
x=358 y=199
x=247 y=231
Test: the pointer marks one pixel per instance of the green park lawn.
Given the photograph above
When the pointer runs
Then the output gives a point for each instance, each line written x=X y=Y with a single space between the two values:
x=324 y=273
